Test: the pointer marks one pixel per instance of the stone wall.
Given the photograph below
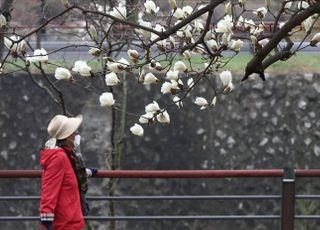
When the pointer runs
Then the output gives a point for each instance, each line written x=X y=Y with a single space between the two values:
x=260 y=125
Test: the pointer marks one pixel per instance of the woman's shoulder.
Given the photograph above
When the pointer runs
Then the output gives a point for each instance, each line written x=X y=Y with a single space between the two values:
x=57 y=155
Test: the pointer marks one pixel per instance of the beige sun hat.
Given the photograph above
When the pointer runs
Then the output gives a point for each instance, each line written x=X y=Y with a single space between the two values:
x=60 y=127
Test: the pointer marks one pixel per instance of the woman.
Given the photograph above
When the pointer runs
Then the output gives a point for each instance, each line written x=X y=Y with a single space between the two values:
x=60 y=203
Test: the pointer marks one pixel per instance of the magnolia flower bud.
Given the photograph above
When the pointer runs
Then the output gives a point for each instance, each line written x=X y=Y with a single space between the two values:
x=112 y=79
x=172 y=75
x=93 y=32
x=151 y=7
x=95 y=52
x=186 y=54
x=173 y=4
x=226 y=79
x=163 y=117
x=3 y=21
x=137 y=130
x=242 y=2
x=177 y=101
x=106 y=99
x=268 y=3
x=62 y=74
x=65 y=3
x=146 y=118
x=180 y=66
x=149 y=78
x=214 y=101
x=22 y=47
x=315 y=39
x=133 y=55
x=228 y=8
x=260 y=12
x=200 y=101
x=152 y=107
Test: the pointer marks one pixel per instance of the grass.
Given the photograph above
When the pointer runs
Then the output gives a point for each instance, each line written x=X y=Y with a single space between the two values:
x=299 y=63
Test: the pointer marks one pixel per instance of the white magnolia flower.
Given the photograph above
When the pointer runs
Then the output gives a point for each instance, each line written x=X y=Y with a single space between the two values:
x=301 y=5
x=112 y=79
x=163 y=117
x=187 y=10
x=198 y=26
x=94 y=51
x=172 y=42
x=179 y=14
x=236 y=45
x=119 y=12
x=133 y=55
x=118 y=66
x=3 y=21
x=151 y=7
x=260 y=12
x=39 y=55
x=226 y=79
x=62 y=74
x=200 y=101
x=172 y=75
x=82 y=68
x=258 y=30
x=212 y=44
x=22 y=47
x=137 y=130
x=190 y=82
x=226 y=39
x=225 y=25
x=180 y=66
x=170 y=87
x=263 y=42
x=177 y=101
x=146 y=118
x=173 y=4
x=315 y=39
x=10 y=43
x=152 y=107
x=149 y=78
x=249 y=25
x=106 y=99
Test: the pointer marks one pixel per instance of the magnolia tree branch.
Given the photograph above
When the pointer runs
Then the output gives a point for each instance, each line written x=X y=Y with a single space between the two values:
x=255 y=65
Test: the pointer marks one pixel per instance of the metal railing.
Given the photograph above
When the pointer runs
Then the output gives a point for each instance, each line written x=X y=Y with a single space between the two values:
x=287 y=198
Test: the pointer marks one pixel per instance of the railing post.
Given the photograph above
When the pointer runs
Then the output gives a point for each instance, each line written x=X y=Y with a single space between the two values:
x=288 y=199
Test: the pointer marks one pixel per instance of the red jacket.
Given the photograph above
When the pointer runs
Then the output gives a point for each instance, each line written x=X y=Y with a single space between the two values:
x=60 y=199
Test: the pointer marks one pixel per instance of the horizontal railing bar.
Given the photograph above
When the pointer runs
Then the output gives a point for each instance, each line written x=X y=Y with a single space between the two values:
x=158 y=173
x=173 y=173
x=307 y=172
x=212 y=197
x=308 y=197
x=307 y=217
x=103 y=218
